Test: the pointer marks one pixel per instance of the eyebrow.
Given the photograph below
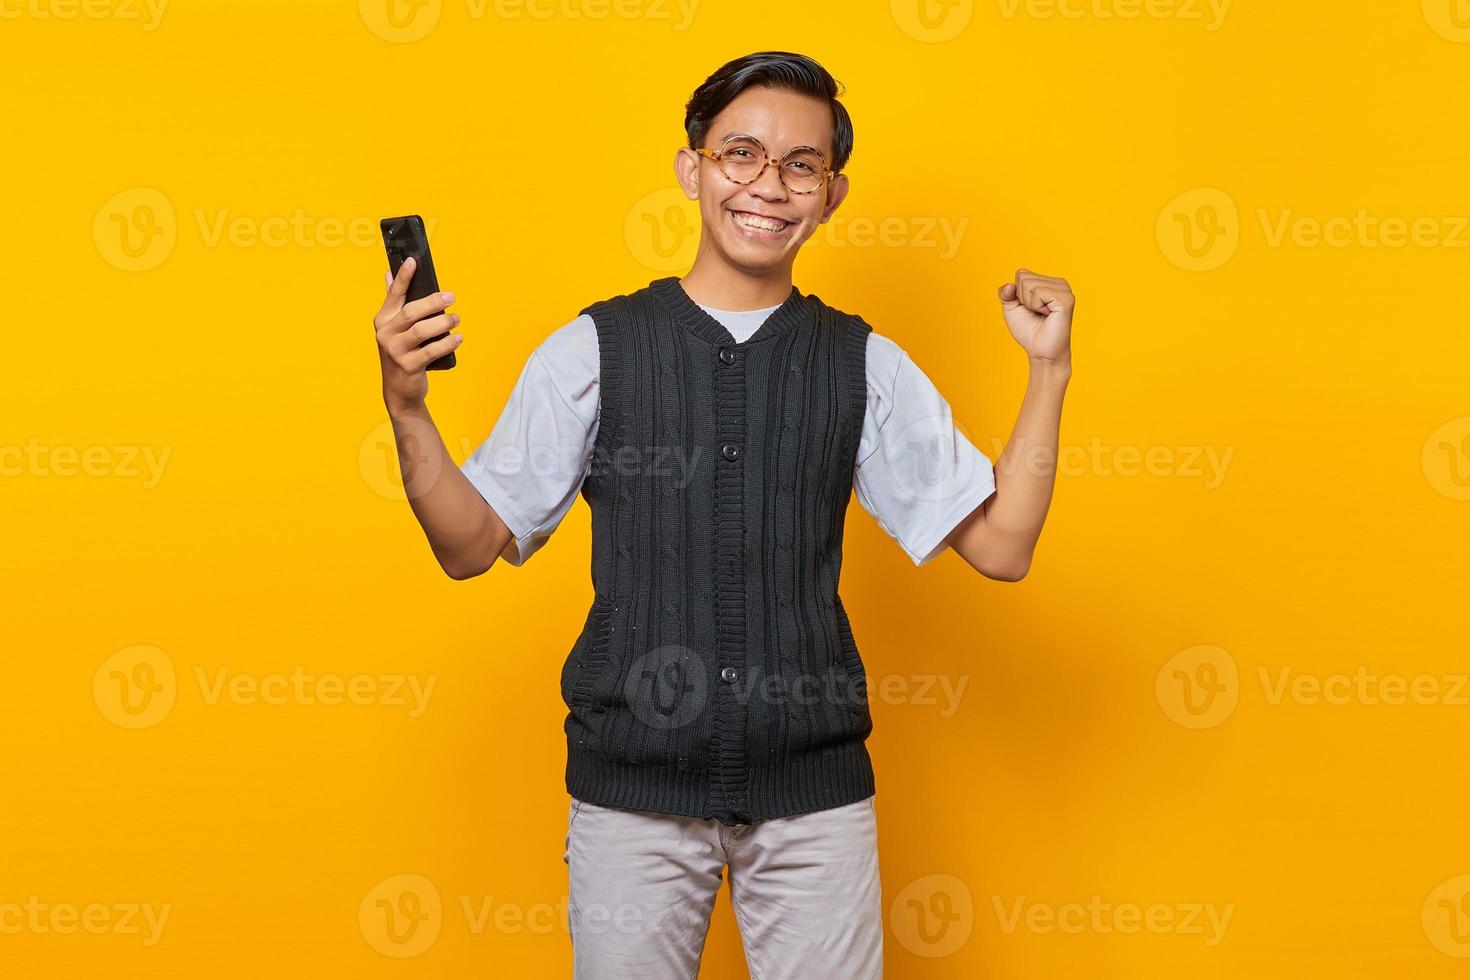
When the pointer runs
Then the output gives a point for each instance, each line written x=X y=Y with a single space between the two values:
x=762 y=142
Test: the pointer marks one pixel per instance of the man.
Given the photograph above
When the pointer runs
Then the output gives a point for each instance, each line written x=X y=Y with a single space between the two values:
x=716 y=425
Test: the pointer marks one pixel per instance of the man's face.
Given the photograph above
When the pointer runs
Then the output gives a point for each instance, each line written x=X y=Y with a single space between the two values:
x=731 y=213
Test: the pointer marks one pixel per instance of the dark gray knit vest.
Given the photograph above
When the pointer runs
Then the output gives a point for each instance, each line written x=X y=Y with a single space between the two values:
x=716 y=673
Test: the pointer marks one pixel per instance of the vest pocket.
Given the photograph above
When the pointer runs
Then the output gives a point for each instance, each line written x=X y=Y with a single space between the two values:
x=588 y=659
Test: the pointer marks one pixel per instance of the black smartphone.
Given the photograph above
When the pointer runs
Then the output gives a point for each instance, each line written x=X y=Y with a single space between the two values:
x=404 y=236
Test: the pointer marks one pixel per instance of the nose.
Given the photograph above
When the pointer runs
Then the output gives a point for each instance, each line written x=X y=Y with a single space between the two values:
x=768 y=186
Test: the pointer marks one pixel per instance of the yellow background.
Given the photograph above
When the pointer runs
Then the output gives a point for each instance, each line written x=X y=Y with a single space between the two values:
x=1076 y=765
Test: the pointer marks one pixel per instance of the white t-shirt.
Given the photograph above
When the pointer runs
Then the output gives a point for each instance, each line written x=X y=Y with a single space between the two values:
x=916 y=473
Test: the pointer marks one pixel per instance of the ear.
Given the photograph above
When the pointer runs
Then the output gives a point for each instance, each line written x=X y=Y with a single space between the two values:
x=686 y=169
x=836 y=192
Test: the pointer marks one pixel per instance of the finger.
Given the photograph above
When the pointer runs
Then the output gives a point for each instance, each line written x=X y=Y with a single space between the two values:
x=1008 y=295
x=1035 y=283
x=397 y=289
x=421 y=357
x=424 y=330
x=1052 y=296
x=1037 y=279
x=1036 y=290
x=1023 y=277
x=1025 y=289
x=427 y=306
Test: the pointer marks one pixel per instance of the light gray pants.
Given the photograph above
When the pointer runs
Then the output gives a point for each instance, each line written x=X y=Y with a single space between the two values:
x=805 y=891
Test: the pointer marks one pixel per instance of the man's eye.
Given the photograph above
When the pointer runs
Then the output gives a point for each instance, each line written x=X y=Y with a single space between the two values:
x=799 y=163
x=737 y=151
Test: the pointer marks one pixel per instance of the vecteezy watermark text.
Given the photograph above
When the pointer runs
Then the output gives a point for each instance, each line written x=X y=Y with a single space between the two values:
x=38 y=918
x=36 y=459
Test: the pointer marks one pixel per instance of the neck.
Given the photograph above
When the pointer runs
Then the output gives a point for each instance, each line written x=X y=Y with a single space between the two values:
x=712 y=282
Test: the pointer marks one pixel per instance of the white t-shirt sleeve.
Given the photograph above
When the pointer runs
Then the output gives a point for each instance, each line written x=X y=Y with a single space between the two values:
x=917 y=473
x=531 y=466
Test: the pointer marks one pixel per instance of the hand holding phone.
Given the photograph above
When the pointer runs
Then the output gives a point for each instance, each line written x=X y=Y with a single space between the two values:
x=404 y=238
x=413 y=335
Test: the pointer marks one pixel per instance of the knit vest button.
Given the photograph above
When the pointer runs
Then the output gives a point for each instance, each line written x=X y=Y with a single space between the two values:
x=731 y=451
x=727 y=675
x=727 y=355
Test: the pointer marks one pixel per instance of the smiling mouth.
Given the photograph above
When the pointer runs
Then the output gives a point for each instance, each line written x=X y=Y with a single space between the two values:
x=759 y=223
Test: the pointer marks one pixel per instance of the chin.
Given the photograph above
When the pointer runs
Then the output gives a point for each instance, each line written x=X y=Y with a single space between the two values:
x=754 y=258
x=755 y=264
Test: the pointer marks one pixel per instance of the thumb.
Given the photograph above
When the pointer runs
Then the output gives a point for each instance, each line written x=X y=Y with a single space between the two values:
x=1008 y=296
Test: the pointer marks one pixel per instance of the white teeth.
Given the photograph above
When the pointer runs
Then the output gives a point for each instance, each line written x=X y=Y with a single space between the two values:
x=753 y=221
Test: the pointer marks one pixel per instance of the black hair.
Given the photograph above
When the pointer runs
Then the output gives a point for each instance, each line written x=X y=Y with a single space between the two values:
x=769 y=69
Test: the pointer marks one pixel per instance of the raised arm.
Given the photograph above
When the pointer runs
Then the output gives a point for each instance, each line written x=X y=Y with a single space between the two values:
x=464 y=532
x=998 y=538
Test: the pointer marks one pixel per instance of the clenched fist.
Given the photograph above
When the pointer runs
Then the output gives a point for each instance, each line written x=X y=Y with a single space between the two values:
x=1038 y=311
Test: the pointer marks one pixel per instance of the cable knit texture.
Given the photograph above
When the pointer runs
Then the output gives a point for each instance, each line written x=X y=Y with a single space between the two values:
x=716 y=674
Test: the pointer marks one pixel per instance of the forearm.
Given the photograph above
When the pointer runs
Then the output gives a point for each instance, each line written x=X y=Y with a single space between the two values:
x=999 y=538
x=464 y=532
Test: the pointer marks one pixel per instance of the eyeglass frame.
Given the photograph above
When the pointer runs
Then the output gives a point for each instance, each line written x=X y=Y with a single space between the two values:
x=715 y=155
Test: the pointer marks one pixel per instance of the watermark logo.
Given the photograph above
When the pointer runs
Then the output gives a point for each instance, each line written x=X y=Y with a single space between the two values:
x=1363 y=687
x=1362 y=229
x=148 y=13
x=1450 y=19
x=1204 y=919
x=1210 y=13
x=135 y=229
x=135 y=687
x=932 y=21
x=1446 y=459
x=1199 y=229
x=933 y=916
x=35 y=459
x=404 y=915
x=408 y=691
x=667 y=687
x=1198 y=687
x=939 y=691
x=1209 y=464
x=1446 y=916
x=926 y=455
x=401 y=916
x=398 y=467
x=942 y=234
x=38 y=918
x=400 y=21
x=662 y=230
